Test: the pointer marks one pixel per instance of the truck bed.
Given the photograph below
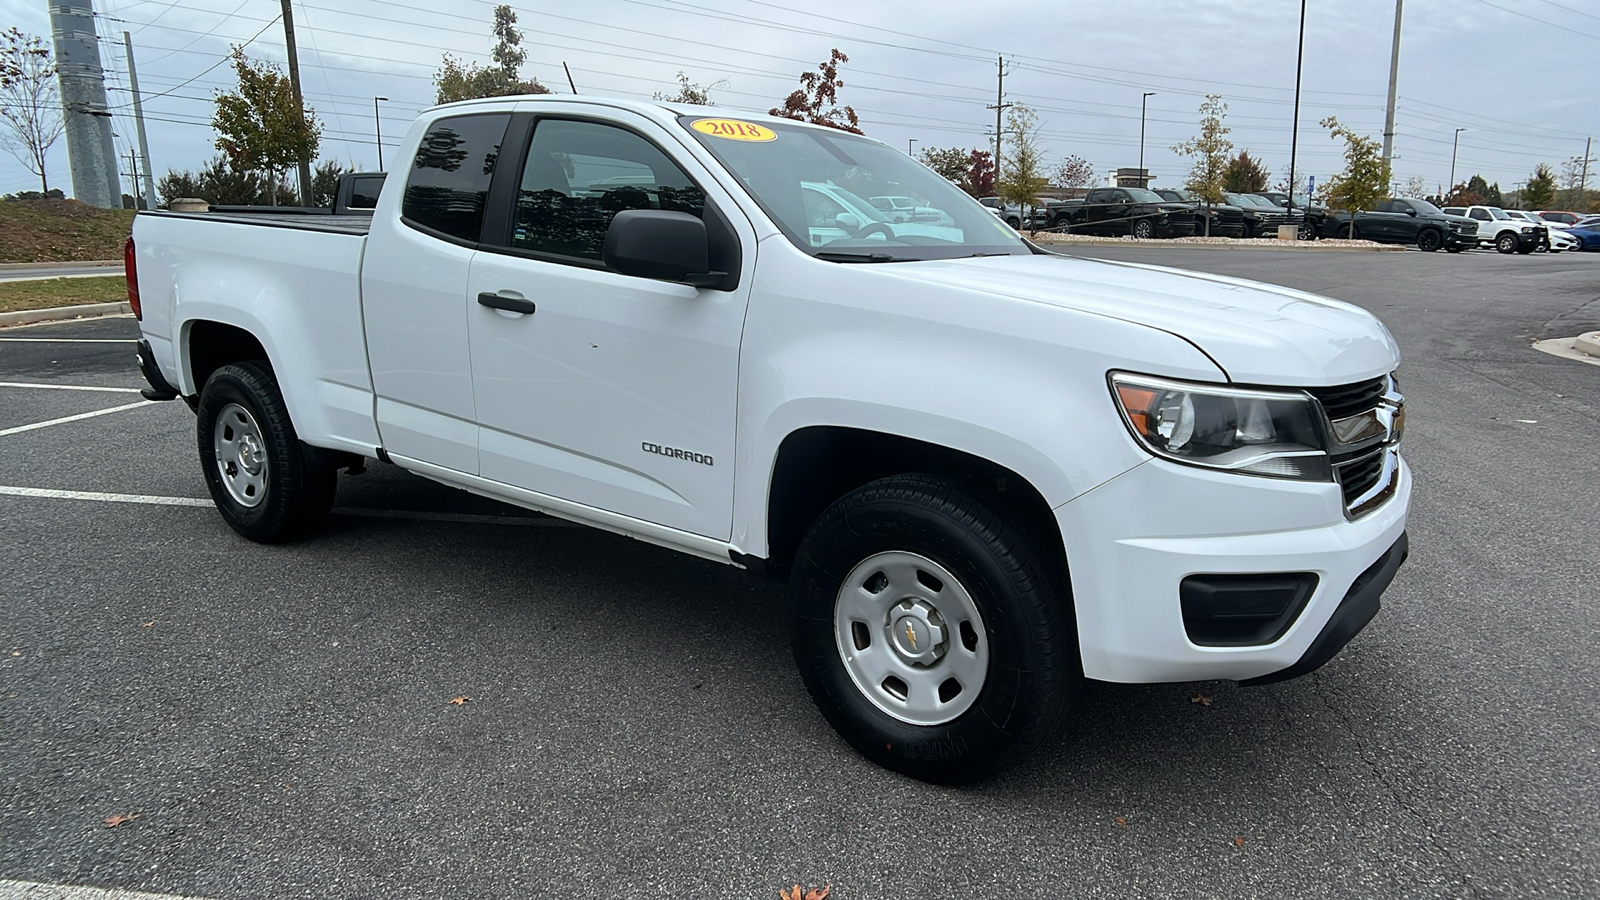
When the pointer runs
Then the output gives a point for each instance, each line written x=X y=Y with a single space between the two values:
x=357 y=225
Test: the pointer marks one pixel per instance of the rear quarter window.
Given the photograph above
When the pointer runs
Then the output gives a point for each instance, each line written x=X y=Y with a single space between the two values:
x=449 y=178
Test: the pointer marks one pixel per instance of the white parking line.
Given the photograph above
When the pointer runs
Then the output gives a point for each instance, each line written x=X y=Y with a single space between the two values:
x=12 y=340
x=33 y=890
x=77 y=418
x=66 y=387
x=158 y=500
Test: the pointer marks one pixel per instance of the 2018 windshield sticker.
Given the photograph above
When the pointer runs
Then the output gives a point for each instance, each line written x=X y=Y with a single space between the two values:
x=734 y=130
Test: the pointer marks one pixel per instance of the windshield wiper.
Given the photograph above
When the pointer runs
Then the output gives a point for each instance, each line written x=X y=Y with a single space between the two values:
x=860 y=257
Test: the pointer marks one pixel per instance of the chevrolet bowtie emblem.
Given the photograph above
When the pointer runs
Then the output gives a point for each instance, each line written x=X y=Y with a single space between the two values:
x=911 y=635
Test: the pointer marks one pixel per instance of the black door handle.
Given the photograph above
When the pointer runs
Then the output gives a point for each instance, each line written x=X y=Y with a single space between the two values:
x=510 y=304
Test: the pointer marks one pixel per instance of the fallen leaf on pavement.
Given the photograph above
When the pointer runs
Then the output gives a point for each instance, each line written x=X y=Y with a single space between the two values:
x=1238 y=842
x=1201 y=699
x=459 y=701
x=147 y=624
x=812 y=894
x=119 y=818
x=1122 y=822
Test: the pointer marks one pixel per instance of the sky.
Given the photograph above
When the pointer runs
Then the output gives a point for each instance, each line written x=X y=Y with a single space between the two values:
x=1511 y=72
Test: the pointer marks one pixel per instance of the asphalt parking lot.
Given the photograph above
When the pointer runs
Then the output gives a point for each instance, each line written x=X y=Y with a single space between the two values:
x=279 y=719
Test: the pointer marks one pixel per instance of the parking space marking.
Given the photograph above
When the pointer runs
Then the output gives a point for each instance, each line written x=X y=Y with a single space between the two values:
x=77 y=418
x=158 y=500
x=52 y=494
x=66 y=387
x=12 y=340
x=33 y=890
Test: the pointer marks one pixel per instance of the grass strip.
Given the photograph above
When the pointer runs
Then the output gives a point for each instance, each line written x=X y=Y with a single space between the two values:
x=53 y=292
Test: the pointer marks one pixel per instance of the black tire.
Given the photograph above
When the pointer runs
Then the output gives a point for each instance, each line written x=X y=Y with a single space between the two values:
x=1143 y=229
x=1026 y=631
x=1014 y=222
x=1527 y=247
x=1429 y=240
x=294 y=495
x=1506 y=242
x=1348 y=232
x=1454 y=249
x=1307 y=231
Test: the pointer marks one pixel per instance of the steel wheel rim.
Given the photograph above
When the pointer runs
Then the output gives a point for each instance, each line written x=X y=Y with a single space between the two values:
x=241 y=455
x=911 y=638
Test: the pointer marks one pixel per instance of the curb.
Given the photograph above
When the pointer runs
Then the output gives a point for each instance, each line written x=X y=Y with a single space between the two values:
x=1274 y=245
x=23 y=267
x=1588 y=343
x=63 y=313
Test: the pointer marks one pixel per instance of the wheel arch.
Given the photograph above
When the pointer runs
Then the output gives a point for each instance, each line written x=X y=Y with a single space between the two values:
x=818 y=464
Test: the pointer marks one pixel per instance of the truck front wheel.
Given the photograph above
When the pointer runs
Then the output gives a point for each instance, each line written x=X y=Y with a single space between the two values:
x=1506 y=242
x=927 y=628
x=258 y=477
x=1144 y=229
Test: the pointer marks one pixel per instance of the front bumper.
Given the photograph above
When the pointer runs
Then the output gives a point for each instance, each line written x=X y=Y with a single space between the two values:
x=1131 y=541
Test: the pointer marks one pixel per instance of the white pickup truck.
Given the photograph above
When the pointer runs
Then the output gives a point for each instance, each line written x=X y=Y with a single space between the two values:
x=986 y=470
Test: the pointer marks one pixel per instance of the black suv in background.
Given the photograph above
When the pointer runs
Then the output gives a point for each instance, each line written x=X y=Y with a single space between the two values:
x=1316 y=217
x=1407 y=221
x=1261 y=217
x=1133 y=211
x=1224 y=220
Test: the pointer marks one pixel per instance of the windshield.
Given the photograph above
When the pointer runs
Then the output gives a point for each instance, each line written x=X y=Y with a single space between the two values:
x=1498 y=213
x=1140 y=195
x=1424 y=207
x=813 y=182
x=1243 y=200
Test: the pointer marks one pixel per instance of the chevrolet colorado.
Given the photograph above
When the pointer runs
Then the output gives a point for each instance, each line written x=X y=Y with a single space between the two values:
x=987 y=471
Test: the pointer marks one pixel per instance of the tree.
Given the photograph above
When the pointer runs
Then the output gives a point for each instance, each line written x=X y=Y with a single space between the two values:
x=1073 y=172
x=457 y=80
x=1209 y=149
x=1365 y=179
x=325 y=182
x=260 y=126
x=221 y=184
x=1415 y=188
x=1540 y=191
x=690 y=92
x=1463 y=195
x=1245 y=174
x=980 y=174
x=30 y=101
x=1021 y=173
x=1572 y=186
x=952 y=164
x=817 y=99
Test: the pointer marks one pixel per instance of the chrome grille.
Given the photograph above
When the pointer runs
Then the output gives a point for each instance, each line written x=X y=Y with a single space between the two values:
x=1358 y=475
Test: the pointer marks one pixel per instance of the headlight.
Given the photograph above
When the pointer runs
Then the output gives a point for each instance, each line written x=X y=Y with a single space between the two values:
x=1252 y=432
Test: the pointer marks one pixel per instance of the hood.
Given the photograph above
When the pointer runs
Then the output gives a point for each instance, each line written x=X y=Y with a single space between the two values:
x=1458 y=220
x=1259 y=334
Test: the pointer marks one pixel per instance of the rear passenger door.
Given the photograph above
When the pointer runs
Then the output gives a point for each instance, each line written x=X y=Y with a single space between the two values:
x=610 y=391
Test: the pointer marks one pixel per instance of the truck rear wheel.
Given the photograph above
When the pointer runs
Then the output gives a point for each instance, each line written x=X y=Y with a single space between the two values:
x=258 y=477
x=927 y=628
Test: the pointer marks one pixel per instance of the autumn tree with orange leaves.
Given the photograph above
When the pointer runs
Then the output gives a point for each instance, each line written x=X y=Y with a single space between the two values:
x=817 y=99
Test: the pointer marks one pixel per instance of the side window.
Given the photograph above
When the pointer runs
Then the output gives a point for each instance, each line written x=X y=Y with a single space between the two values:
x=1482 y=215
x=450 y=177
x=364 y=191
x=579 y=175
x=1392 y=206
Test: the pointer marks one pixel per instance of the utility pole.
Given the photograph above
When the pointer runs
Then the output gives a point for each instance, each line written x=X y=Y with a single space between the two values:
x=1294 y=132
x=1453 y=145
x=999 y=107
x=1394 y=76
x=1583 y=186
x=90 y=151
x=138 y=123
x=1144 y=180
x=909 y=142
x=377 y=128
x=299 y=100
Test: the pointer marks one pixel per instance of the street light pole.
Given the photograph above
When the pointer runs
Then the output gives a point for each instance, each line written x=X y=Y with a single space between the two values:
x=909 y=142
x=1453 y=145
x=1142 y=102
x=1294 y=131
x=377 y=127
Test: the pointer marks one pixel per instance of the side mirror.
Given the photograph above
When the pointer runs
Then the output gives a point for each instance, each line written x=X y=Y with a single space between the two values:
x=847 y=221
x=1411 y=212
x=655 y=243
